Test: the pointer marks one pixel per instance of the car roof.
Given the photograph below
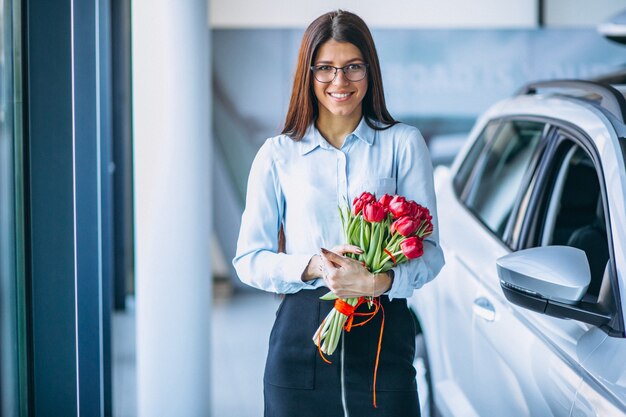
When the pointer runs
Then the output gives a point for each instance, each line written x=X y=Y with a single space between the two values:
x=590 y=106
x=603 y=95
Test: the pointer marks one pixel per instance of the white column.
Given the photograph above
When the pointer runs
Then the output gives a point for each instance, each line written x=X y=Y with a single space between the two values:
x=172 y=165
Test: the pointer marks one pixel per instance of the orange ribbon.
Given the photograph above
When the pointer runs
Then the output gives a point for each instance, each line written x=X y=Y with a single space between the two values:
x=350 y=311
x=391 y=256
x=380 y=342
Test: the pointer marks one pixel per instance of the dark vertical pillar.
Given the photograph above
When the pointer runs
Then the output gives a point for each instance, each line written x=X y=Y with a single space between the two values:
x=68 y=198
x=51 y=196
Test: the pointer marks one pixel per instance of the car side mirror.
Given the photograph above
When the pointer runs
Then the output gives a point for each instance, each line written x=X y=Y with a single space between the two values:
x=614 y=28
x=551 y=280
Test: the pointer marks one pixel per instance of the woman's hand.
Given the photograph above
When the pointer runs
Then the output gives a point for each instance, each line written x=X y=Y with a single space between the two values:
x=315 y=268
x=348 y=277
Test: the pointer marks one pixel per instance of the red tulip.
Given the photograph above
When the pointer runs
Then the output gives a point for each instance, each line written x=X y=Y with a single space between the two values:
x=374 y=212
x=406 y=226
x=412 y=247
x=360 y=201
x=419 y=212
x=398 y=206
x=385 y=200
x=367 y=197
x=357 y=206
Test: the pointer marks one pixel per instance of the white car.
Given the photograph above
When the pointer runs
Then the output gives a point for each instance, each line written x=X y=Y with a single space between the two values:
x=527 y=316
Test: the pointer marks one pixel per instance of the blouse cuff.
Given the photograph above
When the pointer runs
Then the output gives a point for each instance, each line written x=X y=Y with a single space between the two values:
x=404 y=282
x=293 y=267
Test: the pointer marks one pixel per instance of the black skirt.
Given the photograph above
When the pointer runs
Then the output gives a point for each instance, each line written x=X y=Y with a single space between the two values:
x=298 y=382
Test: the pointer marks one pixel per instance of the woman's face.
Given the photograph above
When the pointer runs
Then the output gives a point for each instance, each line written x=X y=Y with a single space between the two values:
x=339 y=98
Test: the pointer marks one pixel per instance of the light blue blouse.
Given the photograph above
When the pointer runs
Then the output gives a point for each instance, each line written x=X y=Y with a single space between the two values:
x=301 y=184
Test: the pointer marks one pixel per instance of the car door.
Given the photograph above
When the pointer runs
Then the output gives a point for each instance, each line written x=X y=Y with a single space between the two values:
x=492 y=368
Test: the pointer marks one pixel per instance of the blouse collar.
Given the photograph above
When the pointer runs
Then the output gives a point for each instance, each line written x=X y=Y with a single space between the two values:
x=313 y=138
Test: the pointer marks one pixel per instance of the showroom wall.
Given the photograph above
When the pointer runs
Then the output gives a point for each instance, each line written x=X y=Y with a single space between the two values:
x=416 y=13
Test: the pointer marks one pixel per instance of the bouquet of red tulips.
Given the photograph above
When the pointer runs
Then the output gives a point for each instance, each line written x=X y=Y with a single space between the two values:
x=390 y=231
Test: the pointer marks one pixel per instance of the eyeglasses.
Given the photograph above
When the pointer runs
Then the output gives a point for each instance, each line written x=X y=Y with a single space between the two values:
x=328 y=73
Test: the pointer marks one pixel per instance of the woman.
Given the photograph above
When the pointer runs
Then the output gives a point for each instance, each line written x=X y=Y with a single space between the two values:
x=338 y=141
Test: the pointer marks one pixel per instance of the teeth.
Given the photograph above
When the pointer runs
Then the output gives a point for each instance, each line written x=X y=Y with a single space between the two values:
x=337 y=95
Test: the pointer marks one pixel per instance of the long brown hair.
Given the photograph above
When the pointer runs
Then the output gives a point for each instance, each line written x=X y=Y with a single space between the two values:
x=341 y=26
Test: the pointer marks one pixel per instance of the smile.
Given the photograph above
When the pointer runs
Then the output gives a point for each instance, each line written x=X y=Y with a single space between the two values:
x=340 y=95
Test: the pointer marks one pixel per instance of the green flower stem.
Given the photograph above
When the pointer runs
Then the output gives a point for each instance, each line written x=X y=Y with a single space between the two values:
x=421 y=230
x=343 y=219
x=397 y=254
x=379 y=247
x=362 y=235
x=333 y=335
x=326 y=336
x=341 y=320
x=352 y=224
x=371 y=250
x=395 y=238
x=329 y=296
x=327 y=324
x=329 y=334
x=354 y=238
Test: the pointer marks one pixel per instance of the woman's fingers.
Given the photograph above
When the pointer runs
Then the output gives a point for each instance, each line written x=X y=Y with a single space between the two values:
x=340 y=260
x=343 y=249
x=324 y=255
x=330 y=265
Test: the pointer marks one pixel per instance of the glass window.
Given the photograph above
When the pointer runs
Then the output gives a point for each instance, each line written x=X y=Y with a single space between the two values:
x=462 y=175
x=498 y=172
x=573 y=210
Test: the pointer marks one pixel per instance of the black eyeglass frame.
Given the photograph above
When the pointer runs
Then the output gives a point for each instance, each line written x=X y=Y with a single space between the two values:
x=314 y=67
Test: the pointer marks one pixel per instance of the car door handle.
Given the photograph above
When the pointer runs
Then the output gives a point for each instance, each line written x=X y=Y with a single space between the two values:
x=483 y=308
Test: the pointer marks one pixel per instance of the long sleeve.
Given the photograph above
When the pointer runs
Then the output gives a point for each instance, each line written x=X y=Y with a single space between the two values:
x=415 y=182
x=257 y=262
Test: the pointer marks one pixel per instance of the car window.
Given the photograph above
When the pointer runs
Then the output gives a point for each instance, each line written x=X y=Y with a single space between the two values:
x=573 y=210
x=497 y=174
x=463 y=174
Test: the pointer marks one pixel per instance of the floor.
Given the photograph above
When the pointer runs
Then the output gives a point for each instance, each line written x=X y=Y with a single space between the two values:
x=241 y=325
